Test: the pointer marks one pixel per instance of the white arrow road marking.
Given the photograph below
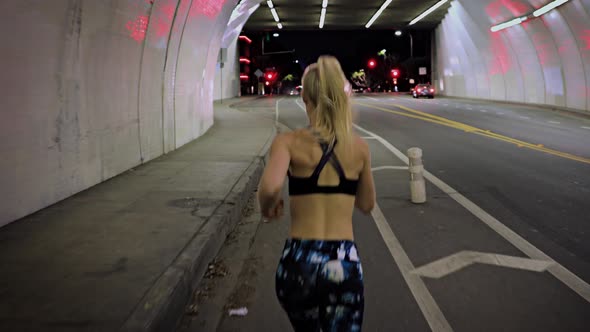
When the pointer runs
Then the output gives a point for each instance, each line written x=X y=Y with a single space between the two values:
x=380 y=168
x=430 y=309
x=460 y=260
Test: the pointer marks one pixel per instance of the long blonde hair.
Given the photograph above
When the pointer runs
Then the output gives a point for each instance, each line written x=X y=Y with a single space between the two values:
x=324 y=86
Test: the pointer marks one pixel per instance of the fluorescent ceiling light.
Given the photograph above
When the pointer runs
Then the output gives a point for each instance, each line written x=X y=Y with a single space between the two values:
x=378 y=13
x=323 y=15
x=274 y=14
x=428 y=11
x=539 y=12
x=508 y=24
x=548 y=7
x=273 y=11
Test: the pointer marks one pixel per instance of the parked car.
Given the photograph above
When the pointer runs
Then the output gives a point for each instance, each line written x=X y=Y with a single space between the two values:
x=423 y=90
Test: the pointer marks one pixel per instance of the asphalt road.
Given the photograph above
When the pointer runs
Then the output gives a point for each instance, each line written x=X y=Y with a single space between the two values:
x=508 y=212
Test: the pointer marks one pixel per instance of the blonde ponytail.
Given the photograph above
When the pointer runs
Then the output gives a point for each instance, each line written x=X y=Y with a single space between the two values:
x=324 y=85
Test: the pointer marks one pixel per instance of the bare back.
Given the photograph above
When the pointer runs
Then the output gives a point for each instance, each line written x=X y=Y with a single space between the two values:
x=323 y=216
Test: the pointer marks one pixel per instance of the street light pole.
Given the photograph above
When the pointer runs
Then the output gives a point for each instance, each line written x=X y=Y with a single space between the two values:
x=399 y=33
x=411 y=46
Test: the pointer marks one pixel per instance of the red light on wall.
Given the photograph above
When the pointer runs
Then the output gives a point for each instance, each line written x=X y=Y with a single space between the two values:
x=209 y=8
x=244 y=60
x=372 y=63
x=244 y=77
x=246 y=39
x=138 y=27
x=395 y=72
x=269 y=76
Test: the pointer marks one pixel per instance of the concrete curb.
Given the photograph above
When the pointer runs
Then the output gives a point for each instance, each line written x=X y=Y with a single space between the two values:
x=250 y=99
x=163 y=306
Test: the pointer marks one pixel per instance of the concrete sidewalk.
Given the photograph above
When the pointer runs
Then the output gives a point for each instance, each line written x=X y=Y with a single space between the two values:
x=125 y=254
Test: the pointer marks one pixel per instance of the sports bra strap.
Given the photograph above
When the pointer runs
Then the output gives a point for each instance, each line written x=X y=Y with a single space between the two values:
x=326 y=156
x=337 y=166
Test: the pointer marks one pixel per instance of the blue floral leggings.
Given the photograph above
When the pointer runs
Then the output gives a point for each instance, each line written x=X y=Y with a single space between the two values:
x=320 y=285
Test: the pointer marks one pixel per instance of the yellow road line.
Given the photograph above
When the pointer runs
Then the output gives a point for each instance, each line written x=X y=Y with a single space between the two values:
x=415 y=114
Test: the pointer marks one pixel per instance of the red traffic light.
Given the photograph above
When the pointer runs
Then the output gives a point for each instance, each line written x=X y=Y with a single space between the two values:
x=372 y=63
x=271 y=75
x=395 y=72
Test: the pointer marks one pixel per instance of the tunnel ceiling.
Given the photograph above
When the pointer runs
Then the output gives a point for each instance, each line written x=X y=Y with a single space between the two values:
x=345 y=15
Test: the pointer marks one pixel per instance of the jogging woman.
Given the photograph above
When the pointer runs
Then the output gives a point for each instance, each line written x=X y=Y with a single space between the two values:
x=319 y=280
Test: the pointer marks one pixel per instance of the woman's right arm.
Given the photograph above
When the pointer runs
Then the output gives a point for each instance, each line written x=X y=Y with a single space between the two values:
x=365 y=195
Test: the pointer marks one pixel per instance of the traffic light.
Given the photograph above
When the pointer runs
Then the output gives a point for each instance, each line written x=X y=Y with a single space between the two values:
x=271 y=75
x=395 y=73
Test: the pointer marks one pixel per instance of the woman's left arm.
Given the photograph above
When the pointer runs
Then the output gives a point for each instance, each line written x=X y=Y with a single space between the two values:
x=273 y=178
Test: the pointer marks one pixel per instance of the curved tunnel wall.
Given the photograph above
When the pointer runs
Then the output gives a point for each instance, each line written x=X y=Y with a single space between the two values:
x=545 y=60
x=227 y=79
x=91 y=89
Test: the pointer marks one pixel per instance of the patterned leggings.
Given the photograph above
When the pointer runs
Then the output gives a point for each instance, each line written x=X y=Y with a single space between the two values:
x=320 y=285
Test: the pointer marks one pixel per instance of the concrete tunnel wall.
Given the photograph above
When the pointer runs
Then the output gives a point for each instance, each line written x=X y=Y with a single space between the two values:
x=545 y=60
x=91 y=89
x=227 y=79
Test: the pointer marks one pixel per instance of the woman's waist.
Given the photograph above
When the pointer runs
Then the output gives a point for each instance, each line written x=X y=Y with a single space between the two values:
x=321 y=217
x=313 y=250
x=310 y=228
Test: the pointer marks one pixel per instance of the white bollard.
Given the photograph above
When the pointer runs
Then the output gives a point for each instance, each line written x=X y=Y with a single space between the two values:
x=417 y=185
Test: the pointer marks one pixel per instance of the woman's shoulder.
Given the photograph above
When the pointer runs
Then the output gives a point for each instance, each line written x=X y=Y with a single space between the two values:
x=359 y=141
x=290 y=137
x=298 y=135
x=360 y=144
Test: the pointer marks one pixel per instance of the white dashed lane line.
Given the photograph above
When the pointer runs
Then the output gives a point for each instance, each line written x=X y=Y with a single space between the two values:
x=554 y=122
x=585 y=127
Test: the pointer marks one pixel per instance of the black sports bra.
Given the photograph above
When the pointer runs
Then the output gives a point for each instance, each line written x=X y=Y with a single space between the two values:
x=305 y=186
